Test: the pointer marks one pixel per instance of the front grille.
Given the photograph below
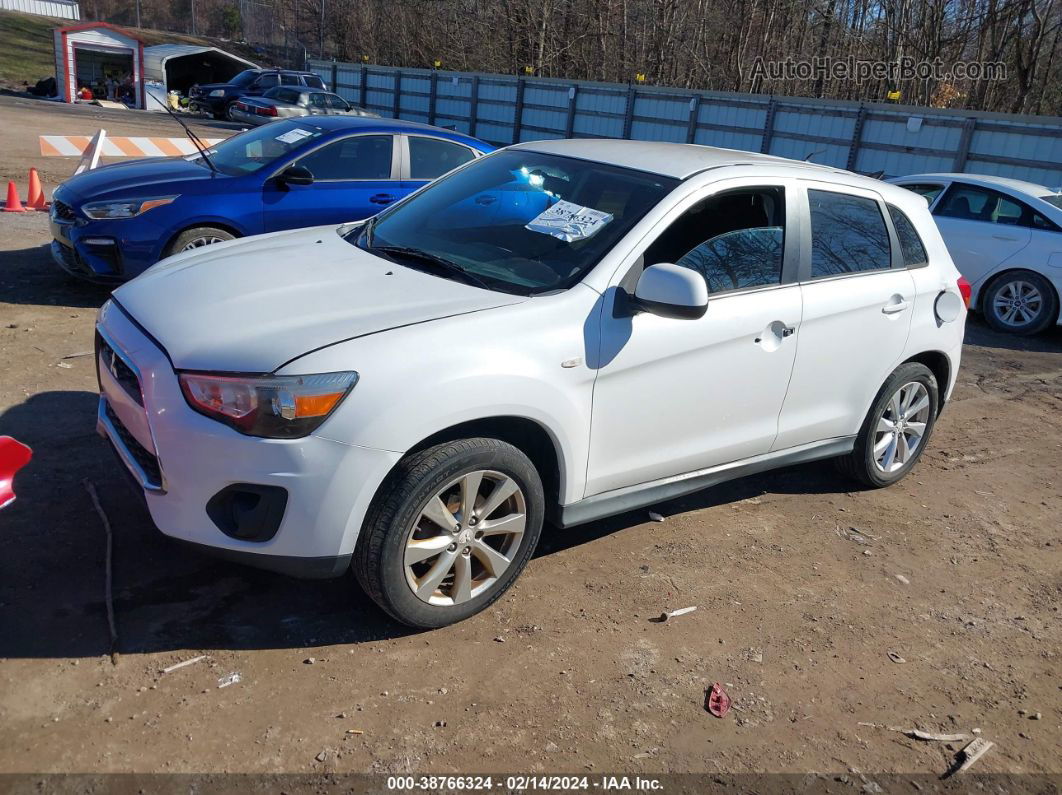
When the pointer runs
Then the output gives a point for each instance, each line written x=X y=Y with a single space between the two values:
x=63 y=211
x=121 y=371
x=145 y=459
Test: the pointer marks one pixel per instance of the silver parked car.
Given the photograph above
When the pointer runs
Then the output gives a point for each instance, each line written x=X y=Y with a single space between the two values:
x=284 y=102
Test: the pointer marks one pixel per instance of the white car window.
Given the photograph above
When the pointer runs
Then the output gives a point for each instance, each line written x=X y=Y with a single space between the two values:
x=911 y=246
x=848 y=235
x=734 y=240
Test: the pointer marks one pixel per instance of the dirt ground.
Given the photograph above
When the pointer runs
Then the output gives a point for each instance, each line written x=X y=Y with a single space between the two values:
x=803 y=587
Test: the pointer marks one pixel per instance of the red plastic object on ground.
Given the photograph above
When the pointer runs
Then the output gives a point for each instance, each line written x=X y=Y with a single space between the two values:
x=13 y=456
x=717 y=701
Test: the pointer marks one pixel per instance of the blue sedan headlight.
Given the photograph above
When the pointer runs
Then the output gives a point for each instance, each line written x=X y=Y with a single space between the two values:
x=123 y=209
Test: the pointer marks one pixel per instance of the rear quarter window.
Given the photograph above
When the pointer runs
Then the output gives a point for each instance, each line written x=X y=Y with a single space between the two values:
x=313 y=81
x=911 y=246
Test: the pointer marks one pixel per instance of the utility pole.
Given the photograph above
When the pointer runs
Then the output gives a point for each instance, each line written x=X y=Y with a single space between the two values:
x=138 y=13
x=320 y=46
x=193 y=16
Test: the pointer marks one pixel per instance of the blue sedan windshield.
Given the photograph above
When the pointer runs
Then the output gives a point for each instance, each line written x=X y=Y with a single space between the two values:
x=516 y=221
x=258 y=147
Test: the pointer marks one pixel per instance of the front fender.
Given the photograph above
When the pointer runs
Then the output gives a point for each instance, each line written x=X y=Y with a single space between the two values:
x=419 y=380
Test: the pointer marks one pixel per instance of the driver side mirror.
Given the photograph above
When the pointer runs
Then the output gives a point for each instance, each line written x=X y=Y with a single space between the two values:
x=671 y=291
x=295 y=175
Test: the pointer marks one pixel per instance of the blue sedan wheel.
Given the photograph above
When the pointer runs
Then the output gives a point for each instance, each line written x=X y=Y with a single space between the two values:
x=197 y=238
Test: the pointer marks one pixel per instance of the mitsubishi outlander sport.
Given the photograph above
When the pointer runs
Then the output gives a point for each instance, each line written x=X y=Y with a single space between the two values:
x=559 y=331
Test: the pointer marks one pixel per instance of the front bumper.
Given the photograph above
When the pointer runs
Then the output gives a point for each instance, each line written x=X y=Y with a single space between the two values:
x=181 y=460
x=106 y=252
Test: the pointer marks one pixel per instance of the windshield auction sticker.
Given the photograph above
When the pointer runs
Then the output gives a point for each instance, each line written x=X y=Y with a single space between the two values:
x=294 y=136
x=569 y=222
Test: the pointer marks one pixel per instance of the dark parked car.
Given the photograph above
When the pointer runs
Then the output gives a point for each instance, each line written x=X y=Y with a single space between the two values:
x=285 y=102
x=219 y=98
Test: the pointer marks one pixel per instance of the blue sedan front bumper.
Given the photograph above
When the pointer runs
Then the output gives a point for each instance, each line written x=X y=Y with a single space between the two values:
x=105 y=252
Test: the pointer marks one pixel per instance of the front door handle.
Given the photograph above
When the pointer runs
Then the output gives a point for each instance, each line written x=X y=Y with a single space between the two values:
x=1005 y=237
x=892 y=309
x=486 y=199
x=382 y=198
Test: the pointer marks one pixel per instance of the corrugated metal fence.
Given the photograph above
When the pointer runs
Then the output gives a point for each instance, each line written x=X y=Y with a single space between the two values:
x=868 y=138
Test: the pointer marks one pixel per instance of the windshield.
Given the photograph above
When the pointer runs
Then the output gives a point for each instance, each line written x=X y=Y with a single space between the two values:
x=249 y=151
x=1055 y=199
x=244 y=77
x=518 y=221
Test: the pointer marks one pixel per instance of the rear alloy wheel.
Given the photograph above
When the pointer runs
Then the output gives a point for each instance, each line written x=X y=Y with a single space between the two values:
x=450 y=531
x=191 y=239
x=228 y=112
x=896 y=428
x=1022 y=302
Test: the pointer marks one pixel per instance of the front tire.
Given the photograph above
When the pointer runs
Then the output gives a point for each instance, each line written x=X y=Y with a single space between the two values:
x=450 y=530
x=1021 y=302
x=896 y=429
x=198 y=237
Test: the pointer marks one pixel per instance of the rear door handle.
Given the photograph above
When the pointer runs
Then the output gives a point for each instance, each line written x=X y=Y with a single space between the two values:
x=1004 y=237
x=382 y=198
x=486 y=199
x=892 y=309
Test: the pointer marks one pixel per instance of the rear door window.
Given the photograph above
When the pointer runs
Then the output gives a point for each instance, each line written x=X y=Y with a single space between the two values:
x=848 y=235
x=911 y=246
x=359 y=157
x=430 y=157
x=289 y=80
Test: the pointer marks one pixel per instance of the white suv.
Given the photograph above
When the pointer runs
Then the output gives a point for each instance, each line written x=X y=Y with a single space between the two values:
x=561 y=330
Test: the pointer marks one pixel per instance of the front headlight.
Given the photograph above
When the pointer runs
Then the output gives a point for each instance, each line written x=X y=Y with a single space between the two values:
x=217 y=92
x=273 y=406
x=123 y=209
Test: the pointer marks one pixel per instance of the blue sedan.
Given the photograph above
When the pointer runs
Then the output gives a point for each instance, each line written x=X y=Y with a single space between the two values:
x=112 y=223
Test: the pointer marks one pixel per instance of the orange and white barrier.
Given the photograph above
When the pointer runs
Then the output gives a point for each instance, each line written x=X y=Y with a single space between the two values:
x=75 y=145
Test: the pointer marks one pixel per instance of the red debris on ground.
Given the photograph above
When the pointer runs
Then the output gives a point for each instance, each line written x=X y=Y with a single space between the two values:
x=717 y=701
x=13 y=456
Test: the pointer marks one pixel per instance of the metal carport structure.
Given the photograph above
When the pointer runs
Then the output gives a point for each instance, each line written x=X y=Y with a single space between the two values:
x=179 y=66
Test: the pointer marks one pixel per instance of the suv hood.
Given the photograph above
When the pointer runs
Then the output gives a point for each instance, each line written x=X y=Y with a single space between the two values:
x=253 y=305
x=132 y=179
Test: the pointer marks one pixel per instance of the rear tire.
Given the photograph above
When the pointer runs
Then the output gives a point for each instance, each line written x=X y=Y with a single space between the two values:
x=1020 y=302
x=425 y=556
x=198 y=237
x=896 y=429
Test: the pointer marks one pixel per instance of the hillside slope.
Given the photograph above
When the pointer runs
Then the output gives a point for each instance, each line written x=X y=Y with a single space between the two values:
x=27 y=54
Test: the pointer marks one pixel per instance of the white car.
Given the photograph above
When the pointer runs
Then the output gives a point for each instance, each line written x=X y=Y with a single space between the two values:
x=561 y=330
x=1005 y=237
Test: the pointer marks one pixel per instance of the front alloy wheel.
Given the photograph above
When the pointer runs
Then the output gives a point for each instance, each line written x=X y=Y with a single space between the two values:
x=465 y=538
x=450 y=530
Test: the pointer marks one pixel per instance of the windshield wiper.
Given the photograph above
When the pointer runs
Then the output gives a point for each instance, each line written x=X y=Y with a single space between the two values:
x=431 y=259
x=195 y=139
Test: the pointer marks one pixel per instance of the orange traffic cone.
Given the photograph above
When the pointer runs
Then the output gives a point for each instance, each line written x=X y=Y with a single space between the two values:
x=13 y=204
x=36 y=194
